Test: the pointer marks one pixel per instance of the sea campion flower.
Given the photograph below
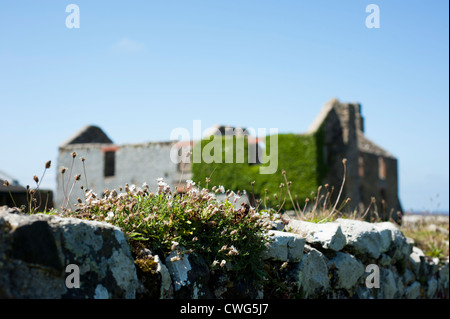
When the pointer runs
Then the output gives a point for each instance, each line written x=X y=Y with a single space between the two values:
x=174 y=259
x=122 y=196
x=174 y=245
x=109 y=216
x=90 y=196
x=233 y=251
x=189 y=183
x=162 y=186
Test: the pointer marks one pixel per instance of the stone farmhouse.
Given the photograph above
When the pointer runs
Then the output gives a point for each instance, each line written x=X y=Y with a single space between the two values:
x=371 y=170
x=111 y=166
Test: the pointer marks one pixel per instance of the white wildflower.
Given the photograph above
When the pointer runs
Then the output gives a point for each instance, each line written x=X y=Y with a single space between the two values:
x=223 y=262
x=109 y=216
x=233 y=251
x=190 y=183
x=174 y=259
x=220 y=189
x=122 y=196
x=112 y=194
x=90 y=197
x=174 y=245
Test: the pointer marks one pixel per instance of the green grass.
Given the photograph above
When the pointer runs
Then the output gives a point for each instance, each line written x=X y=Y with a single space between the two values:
x=431 y=240
x=227 y=238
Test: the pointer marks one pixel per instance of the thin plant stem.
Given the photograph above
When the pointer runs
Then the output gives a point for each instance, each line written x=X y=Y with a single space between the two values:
x=344 y=162
x=9 y=191
x=289 y=192
x=68 y=179
x=85 y=176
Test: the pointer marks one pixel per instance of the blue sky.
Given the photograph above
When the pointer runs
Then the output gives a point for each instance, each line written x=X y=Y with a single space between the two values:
x=139 y=69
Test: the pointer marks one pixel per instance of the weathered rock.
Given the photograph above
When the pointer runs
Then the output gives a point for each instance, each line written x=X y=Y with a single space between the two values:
x=388 y=285
x=385 y=260
x=416 y=259
x=408 y=277
x=432 y=286
x=362 y=238
x=444 y=276
x=166 y=280
x=154 y=277
x=36 y=249
x=190 y=276
x=347 y=270
x=328 y=235
x=179 y=268
x=285 y=247
x=433 y=265
x=393 y=241
x=363 y=292
x=311 y=274
x=413 y=291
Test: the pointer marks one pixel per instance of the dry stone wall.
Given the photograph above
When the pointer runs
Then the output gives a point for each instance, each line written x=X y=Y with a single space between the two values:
x=342 y=259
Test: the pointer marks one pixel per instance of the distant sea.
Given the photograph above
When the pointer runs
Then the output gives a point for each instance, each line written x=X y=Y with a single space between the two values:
x=439 y=213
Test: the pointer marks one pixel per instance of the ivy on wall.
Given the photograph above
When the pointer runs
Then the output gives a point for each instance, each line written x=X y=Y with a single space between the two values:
x=301 y=156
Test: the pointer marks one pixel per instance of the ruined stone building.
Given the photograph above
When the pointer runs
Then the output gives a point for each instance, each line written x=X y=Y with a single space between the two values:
x=371 y=170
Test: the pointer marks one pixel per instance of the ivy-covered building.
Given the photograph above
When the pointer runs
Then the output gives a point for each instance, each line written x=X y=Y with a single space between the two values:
x=315 y=159
x=310 y=160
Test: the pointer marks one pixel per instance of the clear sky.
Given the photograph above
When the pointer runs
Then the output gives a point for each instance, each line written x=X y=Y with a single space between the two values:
x=139 y=69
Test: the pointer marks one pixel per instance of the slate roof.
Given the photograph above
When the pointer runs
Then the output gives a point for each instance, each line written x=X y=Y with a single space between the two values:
x=13 y=188
x=367 y=146
x=88 y=134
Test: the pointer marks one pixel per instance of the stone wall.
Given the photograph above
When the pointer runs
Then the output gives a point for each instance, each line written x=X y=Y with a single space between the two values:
x=342 y=259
